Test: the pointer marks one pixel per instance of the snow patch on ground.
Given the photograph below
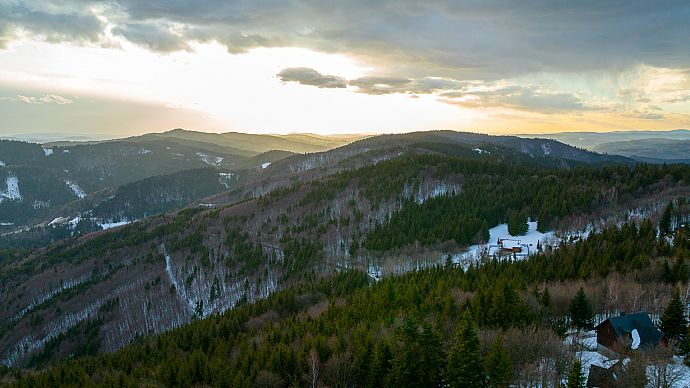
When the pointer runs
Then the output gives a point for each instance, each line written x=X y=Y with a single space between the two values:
x=76 y=189
x=546 y=148
x=11 y=193
x=108 y=225
x=226 y=178
x=2 y=164
x=65 y=220
x=58 y=221
x=48 y=151
x=528 y=243
x=180 y=291
x=266 y=164
x=589 y=358
x=210 y=160
x=480 y=151
x=65 y=151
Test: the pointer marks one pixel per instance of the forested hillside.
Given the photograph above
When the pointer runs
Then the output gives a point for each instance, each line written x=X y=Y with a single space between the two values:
x=499 y=322
x=377 y=210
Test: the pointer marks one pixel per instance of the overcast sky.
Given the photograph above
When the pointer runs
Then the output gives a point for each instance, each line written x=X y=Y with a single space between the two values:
x=122 y=67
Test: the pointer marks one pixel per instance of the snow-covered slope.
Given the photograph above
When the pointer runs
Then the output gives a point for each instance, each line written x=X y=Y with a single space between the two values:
x=76 y=189
x=12 y=190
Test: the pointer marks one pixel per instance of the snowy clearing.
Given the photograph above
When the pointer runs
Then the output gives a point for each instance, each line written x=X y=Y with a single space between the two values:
x=2 y=164
x=528 y=244
x=481 y=151
x=226 y=178
x=12 y=191
x=76 y=189
x=108 y=225
x=546 y=149
x=210 y=160
x=266 y=164
x=58 y=221
x=48 y=151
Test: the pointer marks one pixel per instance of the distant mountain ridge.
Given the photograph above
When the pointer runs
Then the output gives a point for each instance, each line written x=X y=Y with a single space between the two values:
x=656 y=148
x=61 y=185
x=254 y=143
x=590 y=140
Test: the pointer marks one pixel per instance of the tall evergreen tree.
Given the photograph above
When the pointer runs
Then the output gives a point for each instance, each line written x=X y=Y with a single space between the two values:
x=419 y=359
x=545 y=306
x=575 y=377
x=581 y=312
x=673 y=323
x=517 y=223
x=380 y=364
x=542 y=221
x=665 y=224
x=465 y=367
x=498 y=367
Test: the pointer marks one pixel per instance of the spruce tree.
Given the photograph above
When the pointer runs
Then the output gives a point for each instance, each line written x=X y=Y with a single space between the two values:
x=380 y=365
x=465 y=367
x=581 y=313
x=575 y=377
x=517 y=223
x=673 y=322
x=498 y=367
x=545 y=306
x=665 y=220
x=419 y=360
x=542 y=221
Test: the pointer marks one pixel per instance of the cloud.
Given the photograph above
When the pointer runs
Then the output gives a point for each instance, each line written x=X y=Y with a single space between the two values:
x=466 y=94
x=53 y=21
x=458 y=39
x=521 y=98
x=390 y=85
x=307 y=76
x=154 y=36
x=45 y=99
x=375 y=85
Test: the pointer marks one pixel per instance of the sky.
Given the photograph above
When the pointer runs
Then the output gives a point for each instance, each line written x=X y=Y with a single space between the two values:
x=123 y=67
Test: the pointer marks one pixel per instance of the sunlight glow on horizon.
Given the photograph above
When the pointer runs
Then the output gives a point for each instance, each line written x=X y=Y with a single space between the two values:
x=216 y=91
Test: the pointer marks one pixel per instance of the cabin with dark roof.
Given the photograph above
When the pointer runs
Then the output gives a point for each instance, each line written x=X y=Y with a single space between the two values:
x=634 y=330
x=600 y=377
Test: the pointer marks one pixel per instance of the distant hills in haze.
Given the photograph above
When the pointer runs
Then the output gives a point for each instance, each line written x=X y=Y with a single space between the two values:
x=644 y=146
x=590 y=140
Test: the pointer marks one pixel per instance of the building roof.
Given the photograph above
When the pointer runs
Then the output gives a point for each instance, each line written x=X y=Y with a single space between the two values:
x=603 y=377
x=599 y=377
x=624 y=325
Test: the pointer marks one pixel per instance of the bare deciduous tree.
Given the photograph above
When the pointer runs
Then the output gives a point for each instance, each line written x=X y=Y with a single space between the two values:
x=312 y=378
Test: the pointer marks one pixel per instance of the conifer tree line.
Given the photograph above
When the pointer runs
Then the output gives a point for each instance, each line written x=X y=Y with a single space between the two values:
x=495 y=192
x=443 y=326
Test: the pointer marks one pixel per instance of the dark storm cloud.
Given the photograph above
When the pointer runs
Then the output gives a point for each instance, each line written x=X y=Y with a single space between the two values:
x=458 y=39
